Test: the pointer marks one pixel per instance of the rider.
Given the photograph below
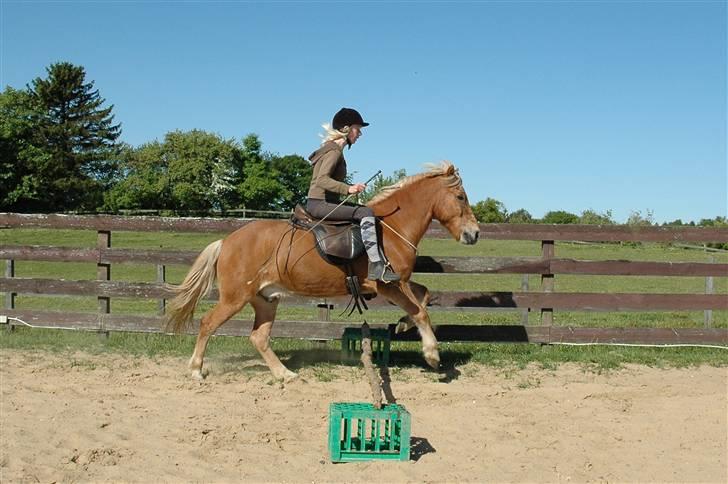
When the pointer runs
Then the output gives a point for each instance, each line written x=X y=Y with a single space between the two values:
x=327 y=184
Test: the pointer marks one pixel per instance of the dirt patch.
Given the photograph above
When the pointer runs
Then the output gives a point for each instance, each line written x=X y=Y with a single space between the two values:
x=108 y=418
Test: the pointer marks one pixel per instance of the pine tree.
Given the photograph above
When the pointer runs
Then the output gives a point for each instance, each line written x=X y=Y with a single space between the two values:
x=79 y=135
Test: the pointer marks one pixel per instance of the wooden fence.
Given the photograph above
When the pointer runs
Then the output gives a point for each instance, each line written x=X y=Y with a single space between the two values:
x=546 y=301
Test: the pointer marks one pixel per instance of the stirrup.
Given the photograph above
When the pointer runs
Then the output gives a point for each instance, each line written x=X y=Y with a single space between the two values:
x=382 y=271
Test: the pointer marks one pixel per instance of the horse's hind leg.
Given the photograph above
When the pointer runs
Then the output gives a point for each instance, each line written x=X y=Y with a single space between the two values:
x=212 y=320
x=265 y=313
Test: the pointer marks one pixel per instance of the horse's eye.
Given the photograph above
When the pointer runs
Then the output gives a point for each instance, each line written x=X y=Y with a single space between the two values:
x=461 y=197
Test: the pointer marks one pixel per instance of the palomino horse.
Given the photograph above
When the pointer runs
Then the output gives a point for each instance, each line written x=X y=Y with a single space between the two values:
x=260 y=262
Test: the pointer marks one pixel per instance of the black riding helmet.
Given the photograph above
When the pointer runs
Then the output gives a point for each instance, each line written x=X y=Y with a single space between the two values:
x=347 y=117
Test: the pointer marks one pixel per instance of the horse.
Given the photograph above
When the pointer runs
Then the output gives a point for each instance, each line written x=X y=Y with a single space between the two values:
x=265 y=260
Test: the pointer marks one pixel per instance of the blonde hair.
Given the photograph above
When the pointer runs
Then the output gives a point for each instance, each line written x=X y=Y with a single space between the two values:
x=333 y=134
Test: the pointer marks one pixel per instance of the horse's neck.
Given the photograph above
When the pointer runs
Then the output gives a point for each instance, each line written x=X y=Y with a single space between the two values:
x=409 y=217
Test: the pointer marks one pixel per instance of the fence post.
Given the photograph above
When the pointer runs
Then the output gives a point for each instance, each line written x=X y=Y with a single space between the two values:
x=161 y=277
x=708 y=313
x=325 y=310
x=547 y=281
x=524 y=288
x=10 y=272
x=103 y=271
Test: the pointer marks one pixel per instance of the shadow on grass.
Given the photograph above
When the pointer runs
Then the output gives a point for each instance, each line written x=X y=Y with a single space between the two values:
x=449 y=360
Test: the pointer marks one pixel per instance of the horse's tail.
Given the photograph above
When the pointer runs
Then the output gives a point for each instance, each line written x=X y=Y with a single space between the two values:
x=197 y=284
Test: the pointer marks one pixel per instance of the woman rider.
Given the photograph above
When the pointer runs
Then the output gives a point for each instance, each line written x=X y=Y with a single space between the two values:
x=327 y=185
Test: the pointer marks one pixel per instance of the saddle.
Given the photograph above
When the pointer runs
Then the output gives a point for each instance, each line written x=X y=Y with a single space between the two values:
x=338 y=242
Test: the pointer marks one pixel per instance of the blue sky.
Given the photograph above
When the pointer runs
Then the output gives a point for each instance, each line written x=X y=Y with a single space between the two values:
x=611 y=105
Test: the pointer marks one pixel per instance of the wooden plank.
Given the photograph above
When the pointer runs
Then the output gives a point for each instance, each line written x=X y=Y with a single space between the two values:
x=424 y=264
x=112 y=223
x=599 y=233
x=317 y=330
x=108 y=256
x=478 y=265
x=456 y=299
x=637 y=268
x=589 y=233
x=582 y=301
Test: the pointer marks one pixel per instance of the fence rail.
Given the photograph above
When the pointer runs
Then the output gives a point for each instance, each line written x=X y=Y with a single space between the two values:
x=546 y=301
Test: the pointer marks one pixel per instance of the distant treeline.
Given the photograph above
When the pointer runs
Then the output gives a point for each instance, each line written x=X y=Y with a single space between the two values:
x=59 y=152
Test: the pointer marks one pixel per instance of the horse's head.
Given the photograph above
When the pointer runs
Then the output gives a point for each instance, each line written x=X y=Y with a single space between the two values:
x=451 y=207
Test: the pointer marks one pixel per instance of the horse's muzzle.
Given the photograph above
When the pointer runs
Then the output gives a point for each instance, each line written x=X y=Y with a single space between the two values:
x=469 y=237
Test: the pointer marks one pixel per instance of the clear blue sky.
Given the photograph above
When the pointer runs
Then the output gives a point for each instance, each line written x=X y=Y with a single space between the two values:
x=542 y=105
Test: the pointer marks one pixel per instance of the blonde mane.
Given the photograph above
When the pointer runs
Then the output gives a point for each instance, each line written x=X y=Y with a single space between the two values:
x=445 y=168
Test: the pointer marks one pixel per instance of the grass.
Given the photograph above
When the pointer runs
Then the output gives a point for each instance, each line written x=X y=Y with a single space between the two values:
x=601 y=357
x=322 y=357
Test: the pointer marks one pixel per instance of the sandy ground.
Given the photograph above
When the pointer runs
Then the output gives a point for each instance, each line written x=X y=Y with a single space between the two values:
x=85 y=418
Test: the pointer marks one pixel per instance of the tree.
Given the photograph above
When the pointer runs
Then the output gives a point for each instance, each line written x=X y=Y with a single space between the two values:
x=379 y=183
x=77 y=134
x=636 y=218
x=560 y=217
x=591 y=217
x=145 y=182
x=520 y=216
x=19 y=182
x=258 y=186
x=490 y=211
x=294 y=173
x=189 y=171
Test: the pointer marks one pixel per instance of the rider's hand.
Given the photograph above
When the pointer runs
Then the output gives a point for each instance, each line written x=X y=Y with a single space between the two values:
x=356 y=188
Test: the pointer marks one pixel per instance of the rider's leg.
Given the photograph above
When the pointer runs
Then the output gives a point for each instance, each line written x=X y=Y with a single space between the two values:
x=379 y=267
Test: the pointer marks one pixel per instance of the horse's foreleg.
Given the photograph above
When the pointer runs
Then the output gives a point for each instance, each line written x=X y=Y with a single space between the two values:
x=422 y=296
x=265 y=313
x=402 y=295
x=212 y=320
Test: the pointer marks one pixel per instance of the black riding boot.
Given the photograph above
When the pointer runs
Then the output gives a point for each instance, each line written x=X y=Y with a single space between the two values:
x=382 y=270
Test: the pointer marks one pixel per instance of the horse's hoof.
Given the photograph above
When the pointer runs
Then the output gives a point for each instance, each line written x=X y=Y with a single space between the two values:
x=290 y=376
x=199 y=374
x=403 y=325
x=433 y=359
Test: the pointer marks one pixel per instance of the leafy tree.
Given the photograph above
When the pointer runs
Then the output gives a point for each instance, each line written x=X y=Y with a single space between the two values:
x=258 y=186
x=189 y=171
x=591 y=217
x=520 y=216
x=489 y=211
x=294 y=173
x=19 y=182
x=560 y=217
x=77 y=134
x=636 y=218
x=145 y=181
x=379 y=183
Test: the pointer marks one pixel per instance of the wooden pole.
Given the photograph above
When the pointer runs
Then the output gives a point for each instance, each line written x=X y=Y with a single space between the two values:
x=708 y=313
x=547 y=281
x=103 y=271
x=366 y=358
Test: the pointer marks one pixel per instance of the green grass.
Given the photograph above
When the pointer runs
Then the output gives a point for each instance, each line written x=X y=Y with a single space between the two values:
x=322 y=356
x=486 y=354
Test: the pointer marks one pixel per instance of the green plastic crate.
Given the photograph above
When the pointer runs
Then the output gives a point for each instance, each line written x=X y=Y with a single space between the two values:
x=358 y=431
x=351 y=344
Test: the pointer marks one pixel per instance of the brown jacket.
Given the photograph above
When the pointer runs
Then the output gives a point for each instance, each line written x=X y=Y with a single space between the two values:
x=329 y=173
